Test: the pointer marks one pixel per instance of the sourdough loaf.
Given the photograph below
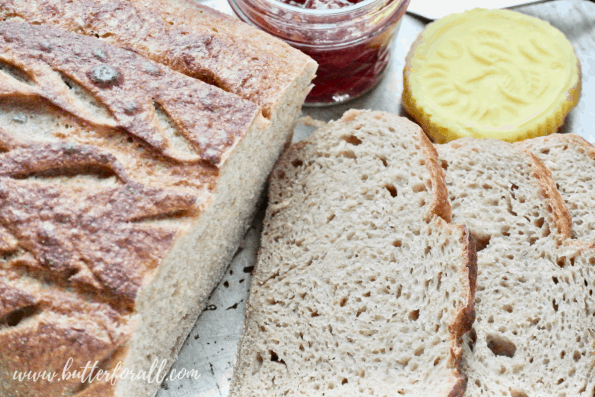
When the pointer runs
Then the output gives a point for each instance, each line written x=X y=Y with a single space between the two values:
x=534 y=333
x=125 y=188
x=571 y=160
x=362 y=287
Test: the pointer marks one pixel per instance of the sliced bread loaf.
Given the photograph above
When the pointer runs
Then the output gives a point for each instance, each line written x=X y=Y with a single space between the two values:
x=361 y=286
x=571 y=160
x=125 y=188
x=534 y=333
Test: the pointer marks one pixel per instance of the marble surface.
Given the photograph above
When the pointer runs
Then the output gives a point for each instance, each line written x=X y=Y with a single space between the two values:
x=211 y=347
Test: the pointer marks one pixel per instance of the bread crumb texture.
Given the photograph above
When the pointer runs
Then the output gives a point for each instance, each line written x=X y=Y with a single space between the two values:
x=360 y=287
x=534 y=333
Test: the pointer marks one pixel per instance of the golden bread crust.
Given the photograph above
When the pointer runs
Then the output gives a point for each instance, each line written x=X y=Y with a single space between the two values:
x=90 y=181
x=191 y=39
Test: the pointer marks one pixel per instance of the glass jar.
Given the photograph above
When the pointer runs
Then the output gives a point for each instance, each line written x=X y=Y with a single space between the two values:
x=351 y=44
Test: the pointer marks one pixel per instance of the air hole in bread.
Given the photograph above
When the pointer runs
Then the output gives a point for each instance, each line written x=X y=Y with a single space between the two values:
x=399 y=291
x=404 y=361
x=17 y=316
x=392 y=190
x=545 y=151
x=297 y=162
x=507 y=308
x=516 y=393
x=501 y=346
x=420 y=187
x=360 y=311
x=16 y=73
x=275 y=357
x=561 y=261
x=414 y=315
x=480 y=242
x=576 y=356
x=555 y=305
x=352 y=140
x=384 y=162
x=349 y=154
x=444 y=164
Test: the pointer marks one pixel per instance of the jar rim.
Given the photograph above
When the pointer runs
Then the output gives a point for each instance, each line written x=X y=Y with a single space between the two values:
x=333 y=11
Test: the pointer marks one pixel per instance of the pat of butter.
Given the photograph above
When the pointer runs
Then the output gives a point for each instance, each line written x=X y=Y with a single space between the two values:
x=491 y=74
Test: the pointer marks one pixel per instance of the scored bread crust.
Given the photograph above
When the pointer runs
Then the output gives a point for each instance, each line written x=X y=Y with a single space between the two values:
x=120 y=211
x=189 y=38
x=267 y=275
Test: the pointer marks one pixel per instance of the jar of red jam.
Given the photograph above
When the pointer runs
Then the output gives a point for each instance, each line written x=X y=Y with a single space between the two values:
x=350 y=39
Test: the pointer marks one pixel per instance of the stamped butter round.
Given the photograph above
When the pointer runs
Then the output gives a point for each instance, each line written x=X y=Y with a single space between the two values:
x=490 y=74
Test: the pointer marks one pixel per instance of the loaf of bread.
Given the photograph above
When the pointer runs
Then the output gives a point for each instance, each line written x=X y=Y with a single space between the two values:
x=125 y=188
x=534 y=333
x=571 y=160
x=362 y=287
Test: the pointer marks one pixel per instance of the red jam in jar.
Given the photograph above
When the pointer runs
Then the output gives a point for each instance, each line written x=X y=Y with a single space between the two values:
x=350 y=39
x=320 y=4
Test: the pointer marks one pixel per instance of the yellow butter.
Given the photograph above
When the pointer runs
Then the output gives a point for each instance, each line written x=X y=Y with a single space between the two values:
x=491 y=74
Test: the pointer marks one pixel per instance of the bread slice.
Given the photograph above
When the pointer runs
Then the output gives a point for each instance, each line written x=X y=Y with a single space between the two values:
x=125 y=188
x=361 y=285
x=534 y=333
x=571 y=160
